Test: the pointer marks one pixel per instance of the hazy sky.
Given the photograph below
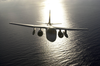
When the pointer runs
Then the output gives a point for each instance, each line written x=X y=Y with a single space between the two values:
x=20 y=10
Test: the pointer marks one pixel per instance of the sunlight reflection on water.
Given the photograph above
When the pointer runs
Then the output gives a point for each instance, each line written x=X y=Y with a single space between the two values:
x=59 y=51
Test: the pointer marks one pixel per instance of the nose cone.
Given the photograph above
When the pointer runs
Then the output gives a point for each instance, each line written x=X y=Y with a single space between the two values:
x=51 y=34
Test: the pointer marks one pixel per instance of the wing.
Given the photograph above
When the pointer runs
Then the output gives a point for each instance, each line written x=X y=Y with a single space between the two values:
x=28 y=25
x=72 y=29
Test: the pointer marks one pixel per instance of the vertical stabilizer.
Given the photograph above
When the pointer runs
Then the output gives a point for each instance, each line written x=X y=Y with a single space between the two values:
x=49 y=23
x=49 y=17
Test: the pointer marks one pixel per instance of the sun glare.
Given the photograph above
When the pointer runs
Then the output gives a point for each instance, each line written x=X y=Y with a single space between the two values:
x=52 y=3
x=58 y=15
x=57 y=11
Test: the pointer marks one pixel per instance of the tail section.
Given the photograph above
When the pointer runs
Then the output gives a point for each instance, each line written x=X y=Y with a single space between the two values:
x=49 y=17
x=49 y=23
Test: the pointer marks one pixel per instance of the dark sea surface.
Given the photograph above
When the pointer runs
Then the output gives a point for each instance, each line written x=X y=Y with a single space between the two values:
x=18 y=47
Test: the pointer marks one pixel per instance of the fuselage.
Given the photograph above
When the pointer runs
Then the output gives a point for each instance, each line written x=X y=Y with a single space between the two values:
x=51 y=33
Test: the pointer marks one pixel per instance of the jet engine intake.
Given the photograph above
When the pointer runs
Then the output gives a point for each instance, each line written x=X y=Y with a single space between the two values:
x=60 y=34
x=40 y=33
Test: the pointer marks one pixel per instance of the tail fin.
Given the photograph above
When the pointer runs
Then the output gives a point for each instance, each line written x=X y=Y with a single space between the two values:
x=49 y=23
x=49 y=17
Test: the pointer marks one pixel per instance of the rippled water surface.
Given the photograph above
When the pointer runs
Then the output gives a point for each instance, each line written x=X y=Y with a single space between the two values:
x=18 y=47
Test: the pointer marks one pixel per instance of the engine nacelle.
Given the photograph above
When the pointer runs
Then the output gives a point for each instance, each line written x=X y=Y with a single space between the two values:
x=65 y=33
x=33 y=31
x=60 y=34
x=40 y=33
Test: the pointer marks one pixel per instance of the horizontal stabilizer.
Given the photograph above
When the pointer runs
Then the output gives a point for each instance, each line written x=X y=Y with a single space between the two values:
x=55 y=23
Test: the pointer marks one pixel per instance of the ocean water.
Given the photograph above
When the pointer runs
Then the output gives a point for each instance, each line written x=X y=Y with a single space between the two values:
x=18 y=47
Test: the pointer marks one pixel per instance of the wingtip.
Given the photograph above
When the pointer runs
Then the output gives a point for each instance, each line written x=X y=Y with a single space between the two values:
x=10 y=22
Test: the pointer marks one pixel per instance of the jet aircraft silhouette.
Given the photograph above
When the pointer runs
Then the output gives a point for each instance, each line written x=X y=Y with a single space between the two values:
x=51 y=32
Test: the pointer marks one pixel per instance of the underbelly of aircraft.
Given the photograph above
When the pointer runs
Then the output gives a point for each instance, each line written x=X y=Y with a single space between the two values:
x=51 y=34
